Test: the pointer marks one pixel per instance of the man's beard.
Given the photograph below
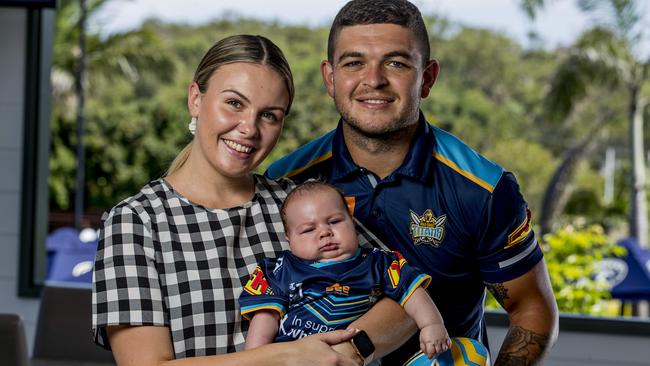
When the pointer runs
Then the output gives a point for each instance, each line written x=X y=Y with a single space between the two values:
x=391 y=132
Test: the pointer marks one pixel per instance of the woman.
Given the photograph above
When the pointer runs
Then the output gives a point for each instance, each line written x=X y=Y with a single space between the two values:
x=172 y=259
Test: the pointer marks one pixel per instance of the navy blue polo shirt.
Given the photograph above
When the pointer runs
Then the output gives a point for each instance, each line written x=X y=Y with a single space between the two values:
x=451 y=212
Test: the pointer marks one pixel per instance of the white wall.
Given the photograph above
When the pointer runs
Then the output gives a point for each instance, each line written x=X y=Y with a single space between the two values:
x=12 y=92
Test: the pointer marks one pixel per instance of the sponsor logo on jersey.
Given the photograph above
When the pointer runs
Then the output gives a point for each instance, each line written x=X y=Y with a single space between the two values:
x=278 y=265
x=257 y=283
x=427 y=229
x=295 y=291
x=337 y=288
x=393 y=273
x=521 y=232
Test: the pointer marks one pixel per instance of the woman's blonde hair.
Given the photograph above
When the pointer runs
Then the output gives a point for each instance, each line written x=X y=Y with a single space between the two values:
x=239 y=48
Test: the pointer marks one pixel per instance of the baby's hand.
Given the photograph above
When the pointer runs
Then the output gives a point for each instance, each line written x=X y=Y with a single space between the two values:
x=434 y=339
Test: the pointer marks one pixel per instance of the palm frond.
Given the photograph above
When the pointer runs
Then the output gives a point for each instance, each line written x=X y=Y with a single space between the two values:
x=530 y=7
x=624 y=16
x=599 y=59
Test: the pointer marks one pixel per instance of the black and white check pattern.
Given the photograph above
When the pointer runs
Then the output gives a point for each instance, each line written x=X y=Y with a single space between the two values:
x=165 y=261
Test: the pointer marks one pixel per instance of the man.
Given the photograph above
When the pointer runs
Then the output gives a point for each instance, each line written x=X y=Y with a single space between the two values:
x=448 y=210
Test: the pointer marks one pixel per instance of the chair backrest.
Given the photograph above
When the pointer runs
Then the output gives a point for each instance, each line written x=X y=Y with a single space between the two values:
x=13 y=344
x=63 y=331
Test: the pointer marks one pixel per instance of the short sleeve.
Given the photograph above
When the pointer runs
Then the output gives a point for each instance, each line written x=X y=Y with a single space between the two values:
x=400 y=279
x=126 y=286
x=262 y=292
x=508 y=248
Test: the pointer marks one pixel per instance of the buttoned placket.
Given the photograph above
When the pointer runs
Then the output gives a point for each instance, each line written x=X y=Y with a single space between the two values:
x=376 y=210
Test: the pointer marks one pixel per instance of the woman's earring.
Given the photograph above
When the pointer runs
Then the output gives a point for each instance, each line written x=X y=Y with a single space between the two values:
x=192 y=126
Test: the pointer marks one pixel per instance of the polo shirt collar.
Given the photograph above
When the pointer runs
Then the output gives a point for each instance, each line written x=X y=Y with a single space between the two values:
x=416 y=164
x=343 y=163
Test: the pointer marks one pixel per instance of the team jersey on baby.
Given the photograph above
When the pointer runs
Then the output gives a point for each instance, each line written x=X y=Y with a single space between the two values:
x=315 y=297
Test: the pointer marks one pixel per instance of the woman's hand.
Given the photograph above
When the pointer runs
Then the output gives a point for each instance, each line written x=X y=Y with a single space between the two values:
x=346 y=348
x=318 y=350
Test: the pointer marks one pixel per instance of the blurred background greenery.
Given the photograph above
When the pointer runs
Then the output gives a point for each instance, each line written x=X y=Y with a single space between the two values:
x=547 y=115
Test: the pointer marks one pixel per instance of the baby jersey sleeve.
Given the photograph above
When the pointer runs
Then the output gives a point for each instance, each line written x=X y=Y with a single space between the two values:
x=508 y=248
x=399 y=279
x=126 y=285
x=263 y=292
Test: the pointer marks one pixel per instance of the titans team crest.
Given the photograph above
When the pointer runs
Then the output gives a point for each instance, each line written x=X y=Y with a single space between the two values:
x=427 y=229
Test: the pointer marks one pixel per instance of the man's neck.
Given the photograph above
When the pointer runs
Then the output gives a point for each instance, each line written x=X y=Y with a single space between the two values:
x=380 y=155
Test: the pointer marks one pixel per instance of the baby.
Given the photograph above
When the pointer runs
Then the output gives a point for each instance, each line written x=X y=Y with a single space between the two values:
x=327 y=281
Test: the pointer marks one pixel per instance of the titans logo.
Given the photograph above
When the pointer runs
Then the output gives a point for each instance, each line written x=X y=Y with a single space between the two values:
x=427 y=229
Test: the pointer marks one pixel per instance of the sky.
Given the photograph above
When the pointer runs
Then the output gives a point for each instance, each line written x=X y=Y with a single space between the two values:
x=558 y=25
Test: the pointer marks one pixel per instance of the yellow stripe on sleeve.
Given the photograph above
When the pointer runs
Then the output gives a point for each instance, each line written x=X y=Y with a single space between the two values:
x=247 y=311
x=422 y=280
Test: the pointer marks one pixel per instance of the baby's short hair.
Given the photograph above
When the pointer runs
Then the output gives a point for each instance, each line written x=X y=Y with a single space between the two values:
x=309 y=186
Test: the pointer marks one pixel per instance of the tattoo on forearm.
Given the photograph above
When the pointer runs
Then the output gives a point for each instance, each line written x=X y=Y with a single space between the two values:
x=499 y=292
x=522 y=347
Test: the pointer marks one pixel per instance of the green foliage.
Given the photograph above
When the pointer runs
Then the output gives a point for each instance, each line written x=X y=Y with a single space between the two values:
x=125 y=135
x=532 y=170
x=571 y=256
x=599 y=59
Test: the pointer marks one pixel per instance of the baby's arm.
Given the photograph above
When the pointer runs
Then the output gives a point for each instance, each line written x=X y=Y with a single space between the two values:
x=433 y=335
x=263 y=328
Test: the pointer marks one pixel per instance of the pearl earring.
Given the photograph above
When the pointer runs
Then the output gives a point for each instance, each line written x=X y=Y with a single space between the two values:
x=192 y=126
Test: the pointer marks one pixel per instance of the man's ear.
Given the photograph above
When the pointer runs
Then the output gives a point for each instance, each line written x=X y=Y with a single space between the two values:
x=193 y=99
x=429 y=78
x=327 y=71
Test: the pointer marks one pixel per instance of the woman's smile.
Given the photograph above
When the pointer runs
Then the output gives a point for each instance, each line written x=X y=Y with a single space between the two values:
x=238 y=146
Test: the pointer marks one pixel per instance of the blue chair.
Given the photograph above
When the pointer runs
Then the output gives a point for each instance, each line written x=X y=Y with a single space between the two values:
x=70 y=260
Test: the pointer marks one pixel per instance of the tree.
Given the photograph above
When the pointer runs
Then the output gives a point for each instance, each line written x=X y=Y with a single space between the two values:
x=489 y=92
x=131 y=60
x=605 y=56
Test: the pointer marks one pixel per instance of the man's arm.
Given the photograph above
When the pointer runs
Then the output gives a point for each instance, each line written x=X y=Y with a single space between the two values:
x=533 y=315
x=387 y=325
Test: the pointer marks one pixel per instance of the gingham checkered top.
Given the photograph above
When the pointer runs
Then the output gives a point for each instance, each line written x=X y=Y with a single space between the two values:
x=165 y=261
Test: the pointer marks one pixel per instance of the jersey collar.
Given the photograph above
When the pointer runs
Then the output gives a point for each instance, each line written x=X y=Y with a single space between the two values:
x=416 y=165
x=325 y=264
x=343 y=163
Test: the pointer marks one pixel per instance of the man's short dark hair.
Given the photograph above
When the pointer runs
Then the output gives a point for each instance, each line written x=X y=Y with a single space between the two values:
x=365 y=12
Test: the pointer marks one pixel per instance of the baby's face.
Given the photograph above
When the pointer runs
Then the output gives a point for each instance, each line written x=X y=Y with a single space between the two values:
x=319 y=227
